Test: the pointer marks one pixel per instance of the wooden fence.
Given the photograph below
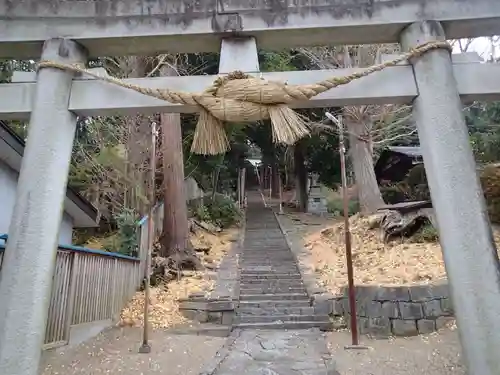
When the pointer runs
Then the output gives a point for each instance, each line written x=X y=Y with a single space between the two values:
x=88 y=285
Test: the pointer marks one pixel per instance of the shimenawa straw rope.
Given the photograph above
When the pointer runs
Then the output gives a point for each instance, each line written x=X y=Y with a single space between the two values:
x=238 y=97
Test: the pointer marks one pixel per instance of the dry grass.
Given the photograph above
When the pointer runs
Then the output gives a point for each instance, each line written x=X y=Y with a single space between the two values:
x=219 y=244
x=164 y=306
x=375 y=263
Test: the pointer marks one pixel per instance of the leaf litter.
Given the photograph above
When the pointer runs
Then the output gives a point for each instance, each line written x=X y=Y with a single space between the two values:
x=163 y=302
x=399 y=262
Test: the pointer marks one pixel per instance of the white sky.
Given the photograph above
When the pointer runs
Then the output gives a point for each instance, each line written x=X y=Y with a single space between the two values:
x=480 y=45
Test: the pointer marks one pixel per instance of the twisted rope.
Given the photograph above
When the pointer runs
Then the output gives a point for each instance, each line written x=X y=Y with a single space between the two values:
x=239 y=97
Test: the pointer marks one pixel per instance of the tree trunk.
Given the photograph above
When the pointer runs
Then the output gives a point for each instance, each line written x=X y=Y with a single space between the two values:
x=138 y=139
x=300 y=177
x=370 y=198
x=175 y=239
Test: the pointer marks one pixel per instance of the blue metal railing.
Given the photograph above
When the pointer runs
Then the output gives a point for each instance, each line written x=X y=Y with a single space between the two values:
x=79 y=249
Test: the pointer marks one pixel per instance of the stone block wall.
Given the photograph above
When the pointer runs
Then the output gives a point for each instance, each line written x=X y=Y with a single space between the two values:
x=204 y=310
x=392 y=311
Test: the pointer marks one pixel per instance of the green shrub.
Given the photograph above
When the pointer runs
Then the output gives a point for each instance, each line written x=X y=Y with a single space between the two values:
x=109 y=243
x=490 y=181
x=127 y=233
x=426 y=233
x=220 y=211
x=335 y=206
x=392 y=194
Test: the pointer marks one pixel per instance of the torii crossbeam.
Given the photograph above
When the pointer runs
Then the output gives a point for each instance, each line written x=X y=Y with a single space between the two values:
x=70 y=31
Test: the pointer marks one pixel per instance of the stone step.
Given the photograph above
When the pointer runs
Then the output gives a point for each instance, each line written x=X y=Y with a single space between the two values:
x=264 y=256
x=268 y=258
x=275 y=310
x=263 y=243
x=269 y=268
x=251 y=270
x=257 y=282
x=288 y=257
x=297 y=283
x=272 y=290
x=266 y=249
x=257 y=270
x=266 y=245
x=273 y=304
x=276 y=318
x=274 y=296
x=263 y=283
x=290 y=271
x=271 y=276
x=322 y=325
x=202 y=329
x=268 y=263
x=269 y=230
x=256 y=240
x=257 y=289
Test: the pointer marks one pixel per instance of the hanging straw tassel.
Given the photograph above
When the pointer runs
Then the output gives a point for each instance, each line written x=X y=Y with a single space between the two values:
x=209 y=136
x=287 y=125
x=239 y=97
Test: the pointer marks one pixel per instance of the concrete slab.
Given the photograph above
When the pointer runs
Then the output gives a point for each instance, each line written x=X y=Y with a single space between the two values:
x=146 y=27
x=82 y=332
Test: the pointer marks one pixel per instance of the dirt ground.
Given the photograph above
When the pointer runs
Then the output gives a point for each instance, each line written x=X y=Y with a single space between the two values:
x=435 y=354
x=115 y=351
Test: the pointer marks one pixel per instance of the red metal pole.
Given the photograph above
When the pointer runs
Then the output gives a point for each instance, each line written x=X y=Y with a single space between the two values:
x=348 y=247
x=347 y=234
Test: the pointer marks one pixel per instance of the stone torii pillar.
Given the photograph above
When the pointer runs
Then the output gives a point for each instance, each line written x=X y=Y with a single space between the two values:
x=466 y=238
x=29 y=260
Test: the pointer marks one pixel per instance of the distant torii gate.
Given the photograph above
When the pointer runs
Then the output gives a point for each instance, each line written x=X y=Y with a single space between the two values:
x=433 y=84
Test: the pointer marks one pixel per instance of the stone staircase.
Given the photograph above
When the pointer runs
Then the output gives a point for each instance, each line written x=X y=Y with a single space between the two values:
x=272 y=294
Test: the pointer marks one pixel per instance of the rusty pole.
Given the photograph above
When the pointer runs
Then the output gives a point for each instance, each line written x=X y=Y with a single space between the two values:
x=146 y=347
x=347 y=232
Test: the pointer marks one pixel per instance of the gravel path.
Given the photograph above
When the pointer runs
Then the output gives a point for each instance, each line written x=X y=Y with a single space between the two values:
x=115 y=352
x=435 y=354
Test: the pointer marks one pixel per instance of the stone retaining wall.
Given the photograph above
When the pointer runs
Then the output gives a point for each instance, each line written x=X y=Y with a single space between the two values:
x=204 y=310
x=386 y=311
x=382 y=311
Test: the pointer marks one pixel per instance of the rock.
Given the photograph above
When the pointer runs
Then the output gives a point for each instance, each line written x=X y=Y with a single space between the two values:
x=210 y=266
x=202 y=249
x=404 y=327
x=425 y=326
x=375 y=220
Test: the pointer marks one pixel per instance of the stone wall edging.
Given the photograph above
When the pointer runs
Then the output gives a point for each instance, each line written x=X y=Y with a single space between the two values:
x=218 y=307
x=385 y=311
x=228 y=273
x=300 y=254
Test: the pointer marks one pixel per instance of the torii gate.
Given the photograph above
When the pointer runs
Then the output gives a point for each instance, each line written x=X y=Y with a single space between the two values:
x=69 y=31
